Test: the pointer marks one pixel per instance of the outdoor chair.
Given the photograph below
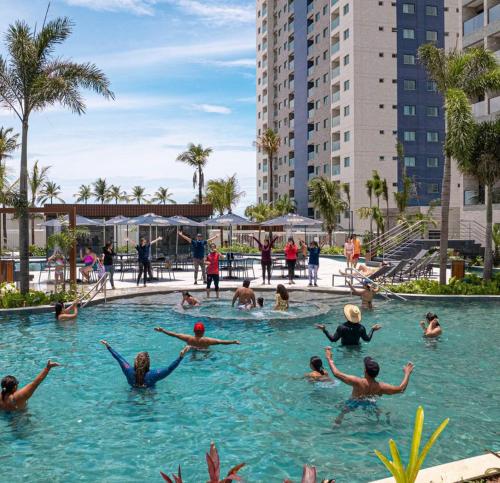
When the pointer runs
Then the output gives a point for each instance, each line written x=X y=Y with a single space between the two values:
x=129 y=266
x=395 y=274
x=164 y=266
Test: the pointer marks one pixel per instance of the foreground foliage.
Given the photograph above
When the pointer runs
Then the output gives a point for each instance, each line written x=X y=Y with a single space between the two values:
x=11 y=298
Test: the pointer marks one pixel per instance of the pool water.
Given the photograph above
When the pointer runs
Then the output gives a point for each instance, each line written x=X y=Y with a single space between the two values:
x=86 y=424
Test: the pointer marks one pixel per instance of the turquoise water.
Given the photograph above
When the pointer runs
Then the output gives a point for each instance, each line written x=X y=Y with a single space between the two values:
x=86 y=424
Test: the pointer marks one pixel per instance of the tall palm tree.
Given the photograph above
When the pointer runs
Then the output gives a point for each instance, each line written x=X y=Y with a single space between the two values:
x=139 y=194
x=346 y=189
x=385 y=196
x=377 y=191
x=8 y=144
x=481 y=159
x=369 y=192
x=36 y=181
x=224 y=193
x=7 y=195
x=116 y=194
x=496 y=241
x=33 y=78
x=51 y=191
x=163 y=196
x=101 y=190
x=270 y=143
x=284 y=205
x=196 y=156
x=84 y=193
x=457 y=74
x=326 y=198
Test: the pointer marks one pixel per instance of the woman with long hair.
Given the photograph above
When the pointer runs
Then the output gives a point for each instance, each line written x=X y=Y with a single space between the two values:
x=66 y=313
x=318 y=372
x=141 y=375
x=266 y=260
x=281 y=298
x=13 y=398
x=291 y=250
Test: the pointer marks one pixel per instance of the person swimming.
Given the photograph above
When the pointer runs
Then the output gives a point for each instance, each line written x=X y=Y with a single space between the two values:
x=188 y=299
x=198 y=340
x=14 y=399
x=245 y=296
x=432 y=329
x=260 y=302
x=68 y=313
x=364 y=389
x=318 y=373
x=282 y=298
x=367 y=293
x=141 y=375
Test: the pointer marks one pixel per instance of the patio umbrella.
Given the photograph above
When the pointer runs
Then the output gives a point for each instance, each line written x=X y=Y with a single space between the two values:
x=80 y=221
x=292 y=219
x=114 y=222
x=182 y=221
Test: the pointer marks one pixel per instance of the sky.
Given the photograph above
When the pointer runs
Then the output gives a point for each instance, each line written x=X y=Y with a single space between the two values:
x=182 y=71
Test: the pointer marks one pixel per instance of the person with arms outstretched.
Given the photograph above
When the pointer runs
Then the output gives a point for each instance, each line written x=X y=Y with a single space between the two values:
x=367 y=293
x=14 y=399
x=351 y=331
x=198 y=340
x=366 y=387
x=144 y=258
x=141 y=375
x=198 y=253
x=266 y=260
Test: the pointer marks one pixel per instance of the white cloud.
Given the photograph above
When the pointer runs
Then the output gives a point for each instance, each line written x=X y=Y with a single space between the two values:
x=212 y=108
x=250 y=63
x=216 y=12
x=138 y=7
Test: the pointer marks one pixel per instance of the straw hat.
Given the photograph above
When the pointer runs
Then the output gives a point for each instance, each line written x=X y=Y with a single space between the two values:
x=352 y=313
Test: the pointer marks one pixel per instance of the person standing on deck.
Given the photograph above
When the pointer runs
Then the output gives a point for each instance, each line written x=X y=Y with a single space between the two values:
x=198 y=253
x=266 y=260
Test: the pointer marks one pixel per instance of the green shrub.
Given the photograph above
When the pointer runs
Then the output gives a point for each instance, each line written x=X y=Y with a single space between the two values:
x=11 y=298
x=238 y=248
x=37 y=251
x=332 y=250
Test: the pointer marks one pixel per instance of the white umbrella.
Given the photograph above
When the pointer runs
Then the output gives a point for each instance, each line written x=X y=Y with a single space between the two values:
x=64 y=221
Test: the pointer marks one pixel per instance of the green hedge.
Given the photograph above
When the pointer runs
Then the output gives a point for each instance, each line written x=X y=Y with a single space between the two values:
x=11 y=298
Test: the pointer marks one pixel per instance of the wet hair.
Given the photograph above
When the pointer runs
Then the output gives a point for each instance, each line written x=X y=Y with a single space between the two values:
x=186 y=294
x=281 y=289
x=430 y=316
x=9 y=385
x=141 y=366
x=317 y=364
x=58 y=308
x=260 y=301
x=246 y=283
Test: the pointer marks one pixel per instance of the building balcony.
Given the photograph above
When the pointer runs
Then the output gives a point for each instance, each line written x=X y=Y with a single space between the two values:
x=335 y=23
x=291 y=45
x=264 y=46
x=310 y=135
x=310 y=92
x=335 y=48
x=310 y=114
x=264 y=12
x=310 y=71
x=291 y=163
x=291 y=182
x=336 y=146
x=335 y=72
x=310 y=155
x=291 y=104
x=494 y=14
x=310 y=7
x=335 y=169
x=310 y=28
x=336 y=96
x=291 y=65
x=473 y=24
x=495 y=105
x=291 y=143
x=335 y=121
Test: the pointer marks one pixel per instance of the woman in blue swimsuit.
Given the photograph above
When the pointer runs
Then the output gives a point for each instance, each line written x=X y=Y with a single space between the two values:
x=140 y=374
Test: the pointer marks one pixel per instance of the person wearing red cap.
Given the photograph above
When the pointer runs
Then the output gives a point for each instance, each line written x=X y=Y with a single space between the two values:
x=198 y=340
x=365 y=388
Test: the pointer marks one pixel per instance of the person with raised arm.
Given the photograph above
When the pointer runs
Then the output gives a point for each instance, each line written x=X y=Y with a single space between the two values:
x=141 y=375
x=365 y=388
x=198 y=247
x=198 y=340
x=144 y=257
x=432 y=328
x=66 y=313
x=314 y=249
x=266 y=260
x=15 y=399
x=367 y=293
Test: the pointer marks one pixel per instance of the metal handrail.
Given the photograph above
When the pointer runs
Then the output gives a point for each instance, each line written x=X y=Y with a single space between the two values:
x=475 y=231
x=389 y=233
x=96 y=289
x=374 y=282
x=401 y=238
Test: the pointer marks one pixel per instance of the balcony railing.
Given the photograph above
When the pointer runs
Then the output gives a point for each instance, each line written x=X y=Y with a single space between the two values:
x=310 y=7
x=335 y=121
x=336 y=96
x=473 y=24
x=310 y=135
x=335 y=72
x=310 y=28
x=310 y=92
x=291 y=65
x=335 y=23
x=335 y=48
x=264 y=46
x=494 y=104
x=310 y=114
x=310 y=70
x=479 y=108
x=292 y=104
x=310 y=155
x=494 y=13
x=291 y=143
x=291 y=163
x=291 y=45
x=335 y=145
x=335 y=169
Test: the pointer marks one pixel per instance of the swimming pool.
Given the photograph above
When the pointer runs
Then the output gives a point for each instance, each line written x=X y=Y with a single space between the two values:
x=86 y=424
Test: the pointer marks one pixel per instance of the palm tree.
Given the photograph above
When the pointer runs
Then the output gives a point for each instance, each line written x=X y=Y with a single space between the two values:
x=481 y=159
x=377 y=185
x=346 y=189
x=36 y=180
x=224 y=194
x=284 y=205
x=496 y=241
x=163 y=196
x=369 y=192
x=270 y=143
x=50 y=192
x=197 y=157
x=116 y=194
x=8 y=144
x=457 y=75
x=101 y=190
x=7 y=195
x=375 y=214
x=84 y=193
x=260 y=212
x=33 y=78
x=327 y=199
x=402 y=198
x=138 y=194
x=385 y=196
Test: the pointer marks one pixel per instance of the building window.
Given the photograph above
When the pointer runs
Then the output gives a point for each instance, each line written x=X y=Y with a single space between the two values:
x=410 y=135
x=381 y=158
x=409 y=110
x=408 y=34
x=431 y=86
x=410 y=85
x=409 y=59
x=347 y=85
x=409 y=161
x=347 y=136
x=346 y=9
x=432 y=111
x=431 y=10
x=432 y=136
x=346 y=34
x=432 y=188
x=409 y=8
x=347 y=162
x=431 y=35
x=346 y=59
x=432 y=162
x=347 y=111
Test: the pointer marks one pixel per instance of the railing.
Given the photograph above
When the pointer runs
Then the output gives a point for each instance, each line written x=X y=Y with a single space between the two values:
x=96 y=289
x=397 y=238
x=354 y=273
x=473 y=230
x=473 y=24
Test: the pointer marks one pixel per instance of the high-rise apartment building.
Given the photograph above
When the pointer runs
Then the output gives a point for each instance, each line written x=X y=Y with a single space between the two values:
x=339 y=81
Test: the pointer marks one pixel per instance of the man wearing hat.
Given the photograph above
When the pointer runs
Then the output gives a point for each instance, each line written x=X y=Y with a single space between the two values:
x=351 y=331
x=198 y=247
x=198 y=340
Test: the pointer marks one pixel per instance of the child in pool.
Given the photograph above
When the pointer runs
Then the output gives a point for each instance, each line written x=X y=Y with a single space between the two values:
x=319 y=373
x=260 y=302
x=281 y=298
x=187 y=298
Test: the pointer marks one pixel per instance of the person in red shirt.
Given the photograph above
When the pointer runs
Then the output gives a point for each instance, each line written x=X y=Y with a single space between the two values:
x=291 y=250
x=212 y=263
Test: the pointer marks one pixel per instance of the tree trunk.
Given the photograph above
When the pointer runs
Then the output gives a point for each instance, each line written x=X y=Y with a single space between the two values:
x=330 y=237
x=445 y=211
x=33 y=230
x=4 y=228
x=271 y=190
x=200 y=192
x=24 y=218
x=371 y=218
x=488 y=254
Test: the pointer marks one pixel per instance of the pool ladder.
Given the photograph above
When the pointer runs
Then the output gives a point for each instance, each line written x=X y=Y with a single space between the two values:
x=354 y=273
x=96 y=289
